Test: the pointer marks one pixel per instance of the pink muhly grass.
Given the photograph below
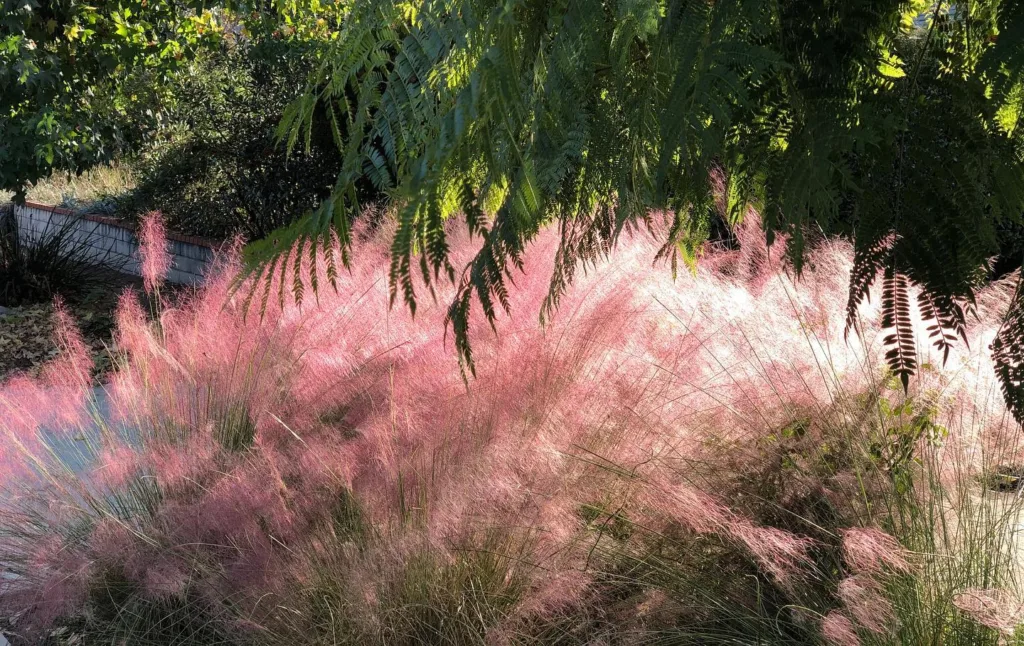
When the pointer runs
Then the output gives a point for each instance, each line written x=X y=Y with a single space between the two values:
x=56 y=399
x=165 y=578
x=555 y=593
x=996 y=608
x=868 y=550
x=154 y=258
x=24 y=407
x=60 y=593
x=838 y=630
x=865 y=601
x=240 y=503
x=113 y=543
x=636 y=380
x=180 y=465
x=131 y=332
x=72 y=367
x=47 y=553
x=54 y=583
x=780 y=552
x=116 y=466
x=692 y=508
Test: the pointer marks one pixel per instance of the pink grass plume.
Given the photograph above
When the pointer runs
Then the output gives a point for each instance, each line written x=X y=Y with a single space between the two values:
x=869 y=550
x=996 y=608
x=838 y=630
x=865 y=601
x=154 y=258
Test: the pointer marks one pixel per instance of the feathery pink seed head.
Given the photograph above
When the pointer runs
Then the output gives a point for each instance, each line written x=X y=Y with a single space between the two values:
x=838 y=630
x=164 y=579
x=778 y=551
x=154 y=258
x=865 y=601
x=694 y=509
x=868 y=550
x=995 y=608
x=74 y=363
x=116 y=466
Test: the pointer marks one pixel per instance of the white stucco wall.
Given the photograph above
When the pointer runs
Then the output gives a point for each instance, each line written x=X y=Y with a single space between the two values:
x=108 y=243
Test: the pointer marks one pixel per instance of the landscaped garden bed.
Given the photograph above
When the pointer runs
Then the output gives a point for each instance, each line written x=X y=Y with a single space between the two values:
x=26 y=333
x=603 y=322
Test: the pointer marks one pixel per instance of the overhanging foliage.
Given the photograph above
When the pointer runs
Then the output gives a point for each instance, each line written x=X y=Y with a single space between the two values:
x=891 y=121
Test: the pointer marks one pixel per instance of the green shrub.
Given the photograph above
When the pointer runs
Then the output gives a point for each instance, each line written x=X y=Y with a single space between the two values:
x=218 y=170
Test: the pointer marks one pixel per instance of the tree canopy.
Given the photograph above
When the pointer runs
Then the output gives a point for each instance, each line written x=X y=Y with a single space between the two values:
x=81 y=82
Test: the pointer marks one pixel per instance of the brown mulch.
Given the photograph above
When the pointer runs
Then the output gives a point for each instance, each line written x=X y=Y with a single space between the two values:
x=26 y=337
x=26 y=332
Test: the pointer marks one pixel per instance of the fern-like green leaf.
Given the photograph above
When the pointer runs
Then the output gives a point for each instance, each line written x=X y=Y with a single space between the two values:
x=900 y=354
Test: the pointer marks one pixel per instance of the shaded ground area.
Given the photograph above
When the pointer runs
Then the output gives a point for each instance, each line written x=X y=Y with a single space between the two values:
x=26 y=333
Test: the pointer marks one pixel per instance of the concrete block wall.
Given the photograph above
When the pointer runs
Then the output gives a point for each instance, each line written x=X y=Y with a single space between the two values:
x=112 y=243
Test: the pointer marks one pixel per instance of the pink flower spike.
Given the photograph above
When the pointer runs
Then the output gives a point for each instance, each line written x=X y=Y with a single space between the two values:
x=779 y=552
x=993 y=607
x=117 y=465
x=866 y=602
x=838 y=630
x=867 y=550
x=153 y=255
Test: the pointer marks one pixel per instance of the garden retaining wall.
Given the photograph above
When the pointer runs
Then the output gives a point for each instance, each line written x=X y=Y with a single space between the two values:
x=113 y=243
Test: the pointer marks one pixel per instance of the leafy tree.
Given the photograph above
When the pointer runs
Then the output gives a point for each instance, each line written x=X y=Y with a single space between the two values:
x=216 y=168
x=893 y=121
x=81 y=80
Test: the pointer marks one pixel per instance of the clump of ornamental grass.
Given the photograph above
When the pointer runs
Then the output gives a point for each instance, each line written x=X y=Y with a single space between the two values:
x=699 y=460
